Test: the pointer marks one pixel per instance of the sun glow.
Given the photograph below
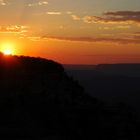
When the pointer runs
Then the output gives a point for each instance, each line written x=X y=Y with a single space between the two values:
x=7 y=49
x=7 y=52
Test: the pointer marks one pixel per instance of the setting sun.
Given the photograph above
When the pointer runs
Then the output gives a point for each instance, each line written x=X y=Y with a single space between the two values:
x=7 y=52
x=7 y=49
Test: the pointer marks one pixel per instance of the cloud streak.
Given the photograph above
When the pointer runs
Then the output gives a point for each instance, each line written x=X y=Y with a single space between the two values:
x=92 y=39
x=40 y=3
x=14 y=29
x=3 y=3
x=53 y=13
x=75 y=17
x=115 y=17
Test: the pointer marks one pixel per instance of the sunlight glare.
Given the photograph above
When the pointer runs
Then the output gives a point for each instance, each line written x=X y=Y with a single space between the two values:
x=7 y=49
x=7 y=52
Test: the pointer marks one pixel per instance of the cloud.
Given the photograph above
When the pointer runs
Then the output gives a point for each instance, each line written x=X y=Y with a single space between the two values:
x=54 y=13
x=40 y=3
x=75 y=17
x=14 y=29
x=135 y=35
x=34 y=38
x=92 y=39
x=3 y=3
x=123 y=13
x=123 y=27
x=117 y=17
x=69 y=12
x=120 y=27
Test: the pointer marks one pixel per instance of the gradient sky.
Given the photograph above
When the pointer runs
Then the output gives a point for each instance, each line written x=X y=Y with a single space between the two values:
x=73 y=32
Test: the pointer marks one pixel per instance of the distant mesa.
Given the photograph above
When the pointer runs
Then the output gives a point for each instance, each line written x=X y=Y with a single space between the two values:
x=120 y=69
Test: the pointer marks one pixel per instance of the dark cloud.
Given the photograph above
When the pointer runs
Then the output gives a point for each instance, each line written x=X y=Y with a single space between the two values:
x=123 y=13
x=127 y=17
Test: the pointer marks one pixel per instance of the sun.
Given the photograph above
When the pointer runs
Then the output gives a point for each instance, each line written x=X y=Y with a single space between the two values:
x=7 y=52
x=7 y=49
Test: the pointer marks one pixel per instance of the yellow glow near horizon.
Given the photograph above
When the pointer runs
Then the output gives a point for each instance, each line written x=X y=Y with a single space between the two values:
x=7 y=49
x=7 y=52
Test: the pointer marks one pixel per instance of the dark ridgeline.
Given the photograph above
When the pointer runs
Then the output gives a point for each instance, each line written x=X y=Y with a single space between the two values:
x=39 y=101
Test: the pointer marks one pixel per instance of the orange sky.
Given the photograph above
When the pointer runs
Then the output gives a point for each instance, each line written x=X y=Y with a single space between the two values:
x=106 y=31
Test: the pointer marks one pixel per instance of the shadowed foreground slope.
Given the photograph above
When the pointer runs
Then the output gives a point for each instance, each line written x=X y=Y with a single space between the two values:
x=38 y=100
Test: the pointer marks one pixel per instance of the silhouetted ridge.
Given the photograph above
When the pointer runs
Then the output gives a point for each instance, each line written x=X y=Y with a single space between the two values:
x=39 y=101
x=30 y=63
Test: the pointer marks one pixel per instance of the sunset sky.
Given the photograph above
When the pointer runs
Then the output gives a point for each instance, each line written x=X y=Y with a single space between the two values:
x=72 y=31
